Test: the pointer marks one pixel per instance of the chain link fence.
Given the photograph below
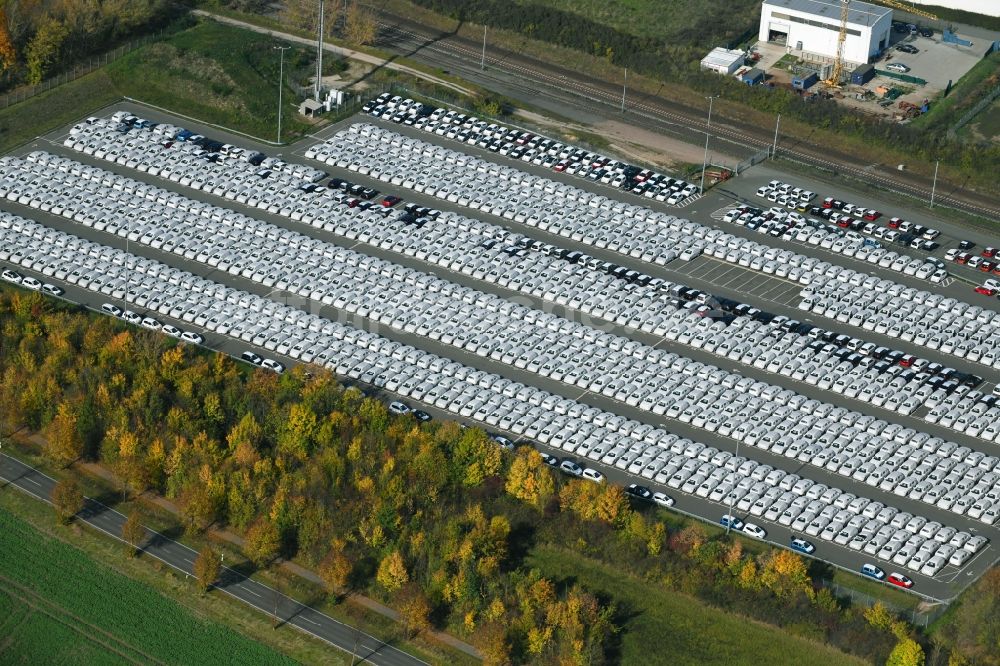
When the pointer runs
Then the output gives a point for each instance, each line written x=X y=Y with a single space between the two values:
x=916 y=617
x=82 y=69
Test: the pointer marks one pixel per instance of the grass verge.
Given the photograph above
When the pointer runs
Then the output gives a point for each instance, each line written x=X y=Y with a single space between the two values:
x=682 y=630
x=54 y=108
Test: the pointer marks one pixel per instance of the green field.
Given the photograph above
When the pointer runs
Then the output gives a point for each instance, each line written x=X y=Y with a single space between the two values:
x=217 y=73
x=209 y=71
x=664 y=627
x=694 y=21
x=59 y=606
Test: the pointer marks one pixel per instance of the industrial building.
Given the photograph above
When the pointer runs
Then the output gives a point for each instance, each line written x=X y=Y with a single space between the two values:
x=723 y=61
x=811 y=28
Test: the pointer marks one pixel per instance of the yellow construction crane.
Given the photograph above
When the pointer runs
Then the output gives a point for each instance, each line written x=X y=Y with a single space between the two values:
x=903 y=7
x=838 y=64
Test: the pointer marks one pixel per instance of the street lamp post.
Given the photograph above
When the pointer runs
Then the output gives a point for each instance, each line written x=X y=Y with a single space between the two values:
x=731 y=498
x=774 y=148
x=624 y=83
x=708 y=128
x=482 y=63
x=934 y=184
x=281 y=80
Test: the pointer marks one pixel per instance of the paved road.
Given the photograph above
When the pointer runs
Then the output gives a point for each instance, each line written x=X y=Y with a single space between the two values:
x=364 y=647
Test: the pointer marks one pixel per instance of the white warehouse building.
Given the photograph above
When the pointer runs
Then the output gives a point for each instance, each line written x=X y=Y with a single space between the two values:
x=812 y=28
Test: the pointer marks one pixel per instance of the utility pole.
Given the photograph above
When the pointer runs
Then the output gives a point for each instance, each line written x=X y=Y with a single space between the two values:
x=934 y=185
x=708 y=128
x=774 y=148
x=624 y=83
x=482 y=63
x=281 y=82
x=318 y=88
x=731 y=498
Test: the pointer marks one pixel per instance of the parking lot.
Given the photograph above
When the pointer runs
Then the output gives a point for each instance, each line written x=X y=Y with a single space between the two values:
x=553 y=309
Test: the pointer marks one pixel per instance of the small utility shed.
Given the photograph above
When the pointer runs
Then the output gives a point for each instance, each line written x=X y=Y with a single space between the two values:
x=862 y=75
x=311 y=108
x=723 y=61
x=753 y=77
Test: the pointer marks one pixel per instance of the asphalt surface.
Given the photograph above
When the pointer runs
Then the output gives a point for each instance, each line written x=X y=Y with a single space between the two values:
x=583 y=97
x=361 y=646
x=944 y=586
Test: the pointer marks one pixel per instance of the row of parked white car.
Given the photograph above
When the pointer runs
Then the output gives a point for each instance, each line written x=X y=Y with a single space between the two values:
x=554 y=207
x=793 y=226
x=924 y=318
x=482 y=251
x=532 y=148
x=285 y=213
x=489 y=398
x=541 y=343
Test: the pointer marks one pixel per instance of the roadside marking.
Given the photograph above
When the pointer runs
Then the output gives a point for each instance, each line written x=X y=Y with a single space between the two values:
x=31 y=480
x=251 y=591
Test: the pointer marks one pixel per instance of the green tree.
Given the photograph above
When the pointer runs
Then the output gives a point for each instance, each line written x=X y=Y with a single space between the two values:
x=133 y=533
x=529 y=479
x=906 y=653
x=64 y=444
x=207 y=567
x=262 y=543
x=43 y=49
x=392 y=573
x=414 y=609
x=360 y=26
x=67 y=500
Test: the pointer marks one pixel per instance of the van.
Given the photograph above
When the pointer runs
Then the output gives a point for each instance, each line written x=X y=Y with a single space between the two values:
x=872 y=571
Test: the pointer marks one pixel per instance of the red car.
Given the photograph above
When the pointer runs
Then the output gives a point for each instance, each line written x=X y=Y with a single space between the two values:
x=894 y=222
x=560 y=167
x=907 y=360
x=899 y=580
x=989 y=252
x=390 y=201
x=872 y=215
x=985 y=291
x=828 y=202
x=844 y=222
x=987 y=266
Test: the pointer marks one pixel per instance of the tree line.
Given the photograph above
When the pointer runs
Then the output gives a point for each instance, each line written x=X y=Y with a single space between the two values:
x=40 y=37
x=433 y=518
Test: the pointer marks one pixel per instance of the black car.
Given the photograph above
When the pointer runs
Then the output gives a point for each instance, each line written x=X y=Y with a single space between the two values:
x=421 y=415
x=642 y=492
x=966 y=245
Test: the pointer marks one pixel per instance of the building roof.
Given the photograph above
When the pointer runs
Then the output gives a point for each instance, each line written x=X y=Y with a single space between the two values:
x=860 y=13
x=720 y=57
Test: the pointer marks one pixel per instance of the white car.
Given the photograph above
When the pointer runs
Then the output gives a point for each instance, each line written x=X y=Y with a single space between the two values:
x=397 y=407
x=172 y=330
x=897 y=67
x=755 y=531
x=271 y=364
x=192 y=337
x=571 y=468
x=663 y=499
x=593 y=475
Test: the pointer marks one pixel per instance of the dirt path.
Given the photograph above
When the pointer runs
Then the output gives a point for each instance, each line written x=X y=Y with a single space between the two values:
x=339 y=50
x=635 y=142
